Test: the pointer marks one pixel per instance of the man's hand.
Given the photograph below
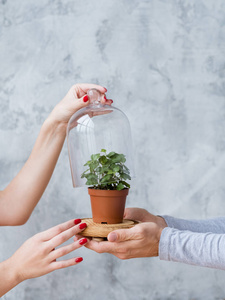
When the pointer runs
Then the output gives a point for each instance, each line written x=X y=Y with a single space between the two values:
x=142 y=240
x=142 y=215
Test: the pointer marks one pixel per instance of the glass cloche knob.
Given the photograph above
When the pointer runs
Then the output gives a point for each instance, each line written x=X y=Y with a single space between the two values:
x=93 y=128
x=94 y=96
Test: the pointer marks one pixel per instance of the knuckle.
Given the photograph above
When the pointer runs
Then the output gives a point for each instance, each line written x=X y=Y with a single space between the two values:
x=141 y=231
x=37 y=236
x=61 y=239
x=122 y=250
x=99 y=250
x=122 y=236
x=42 y=252
x=122 y=256
x=75 y=87
x=60 y=265
x=59 y=230
x=49 y=246
x=61 y=252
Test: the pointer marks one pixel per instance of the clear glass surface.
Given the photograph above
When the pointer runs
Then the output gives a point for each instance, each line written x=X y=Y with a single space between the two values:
x=94 y=128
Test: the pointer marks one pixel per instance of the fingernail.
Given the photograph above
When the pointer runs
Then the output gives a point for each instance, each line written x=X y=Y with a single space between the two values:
x=82 y=225
x=77 y=221
x=105 y=97
x=83 y=241
x=78 y=259
x=86 y=98
x=111 y=100
x=105 y=89
x=113 y=237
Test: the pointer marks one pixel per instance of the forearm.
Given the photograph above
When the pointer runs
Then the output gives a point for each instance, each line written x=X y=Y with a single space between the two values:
x=8 y=277
x=201 y=249
x=216 y=225
x=20 y=197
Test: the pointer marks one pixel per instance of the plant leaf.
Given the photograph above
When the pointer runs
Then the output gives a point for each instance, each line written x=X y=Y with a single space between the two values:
x=107 y=171
x=120 y=186
x=87 y=163
x=126 y=184
x=106 y=178
x=126 y=168
x=91 y=176
x=110 y=172
x=125 y=176
x=116 y=169
x=118 y=158
x=103 y=159
x=95 y=156
x=110 y=154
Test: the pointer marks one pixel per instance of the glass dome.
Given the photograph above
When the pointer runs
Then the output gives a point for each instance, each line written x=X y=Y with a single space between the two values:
x=94 y=128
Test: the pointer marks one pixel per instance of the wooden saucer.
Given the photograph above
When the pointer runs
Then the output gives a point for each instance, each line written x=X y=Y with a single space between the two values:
x=101 y=231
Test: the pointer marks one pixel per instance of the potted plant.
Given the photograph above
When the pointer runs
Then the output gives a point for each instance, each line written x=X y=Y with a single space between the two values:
x=106 y=175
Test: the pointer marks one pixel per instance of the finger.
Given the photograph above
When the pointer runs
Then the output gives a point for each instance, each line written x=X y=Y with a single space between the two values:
x=80 y=103
x=66 y=235
x=82 y=88
x=102 y=247
x=109 y=102
x=50 y=233
x=67 y=249
x=104 y=100
x=84 y=101
x=65 y=263
x=78 y=237
x=135 y=213
x=122 y=235
x=121 y=250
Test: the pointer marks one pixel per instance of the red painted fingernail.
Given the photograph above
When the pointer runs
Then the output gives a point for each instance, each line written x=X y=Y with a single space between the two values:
x=83 y=241
x=77 y=221
x=83 y=225
x=105 y=89
x=78 y=259
x=105 y=97
x=111 y=100
x=86 y=98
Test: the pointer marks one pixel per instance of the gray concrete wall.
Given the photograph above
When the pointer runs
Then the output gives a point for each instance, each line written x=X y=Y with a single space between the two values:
x=163 y=63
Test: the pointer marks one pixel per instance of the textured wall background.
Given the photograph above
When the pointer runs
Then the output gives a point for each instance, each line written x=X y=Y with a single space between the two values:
x=163 y=63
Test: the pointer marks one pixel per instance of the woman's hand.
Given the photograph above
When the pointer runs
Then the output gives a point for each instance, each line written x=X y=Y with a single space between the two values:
x=19 y=198
x=38 y=255
x=75 y=99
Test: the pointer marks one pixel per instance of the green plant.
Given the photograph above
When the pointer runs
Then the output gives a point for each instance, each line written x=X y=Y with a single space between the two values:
x=107 y=171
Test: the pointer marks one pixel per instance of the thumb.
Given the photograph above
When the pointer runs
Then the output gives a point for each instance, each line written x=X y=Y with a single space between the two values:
x=119 y=235
x=82 y=102
x=135 y=213
x=77 y=104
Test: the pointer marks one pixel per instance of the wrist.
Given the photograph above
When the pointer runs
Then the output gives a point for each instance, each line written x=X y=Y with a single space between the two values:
x=11 y=272
x=54 y=126
x=161 y=222
x=155 y=244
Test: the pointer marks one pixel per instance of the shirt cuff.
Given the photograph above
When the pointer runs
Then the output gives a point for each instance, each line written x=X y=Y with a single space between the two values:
x=169 y=221
x=164 y=243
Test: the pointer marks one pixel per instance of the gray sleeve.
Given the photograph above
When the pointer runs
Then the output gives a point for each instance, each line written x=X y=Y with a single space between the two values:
x=201 y=249
x=216 y=225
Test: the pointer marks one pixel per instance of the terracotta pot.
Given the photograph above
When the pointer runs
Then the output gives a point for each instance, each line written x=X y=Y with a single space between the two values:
x=108 y=205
